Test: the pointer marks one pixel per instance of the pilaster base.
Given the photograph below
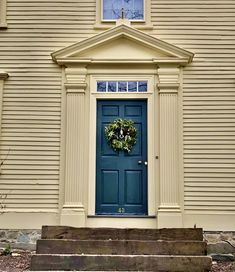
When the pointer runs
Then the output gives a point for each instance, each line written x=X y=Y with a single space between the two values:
x=169 y=218
x=73 y=217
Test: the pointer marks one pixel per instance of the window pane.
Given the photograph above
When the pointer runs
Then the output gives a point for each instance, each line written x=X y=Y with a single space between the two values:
x=107 y=9
x=138 y=9
x=128 y=8
x=142 y=86
x=117 y=9
x=122 y=86
x=133 y=9
x=112 y=86
x=132 y=86
x=112 y=9
x=101 y=86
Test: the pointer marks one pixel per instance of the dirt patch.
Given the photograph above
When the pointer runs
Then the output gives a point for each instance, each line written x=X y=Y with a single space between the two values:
x=223 y=267
x=20 y=261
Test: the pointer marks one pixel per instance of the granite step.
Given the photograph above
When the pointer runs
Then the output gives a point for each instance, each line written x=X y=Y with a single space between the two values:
x=161 y=263
x=177 y=234
x=120 y=247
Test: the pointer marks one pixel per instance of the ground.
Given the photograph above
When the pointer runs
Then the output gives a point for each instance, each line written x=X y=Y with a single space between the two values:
x=20 y=261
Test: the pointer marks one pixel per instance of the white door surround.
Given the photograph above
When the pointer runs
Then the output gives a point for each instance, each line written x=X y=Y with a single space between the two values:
x=116 y=53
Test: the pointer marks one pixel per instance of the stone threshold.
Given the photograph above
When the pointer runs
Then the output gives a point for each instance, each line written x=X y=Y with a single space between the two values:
x=121 y=216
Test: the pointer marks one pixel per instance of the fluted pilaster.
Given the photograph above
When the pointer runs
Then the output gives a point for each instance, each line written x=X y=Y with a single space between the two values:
x=169 y=208
x=169 y=195
x=74 y=173
x=73 y=209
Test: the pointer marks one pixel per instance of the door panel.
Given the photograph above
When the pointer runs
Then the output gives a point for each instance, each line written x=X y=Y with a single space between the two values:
x=121 y=177
x=110 y=182
x=133 y=187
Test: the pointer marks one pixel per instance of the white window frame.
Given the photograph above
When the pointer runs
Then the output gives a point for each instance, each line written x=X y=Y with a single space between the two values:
x=3 y=13
x=140 y=24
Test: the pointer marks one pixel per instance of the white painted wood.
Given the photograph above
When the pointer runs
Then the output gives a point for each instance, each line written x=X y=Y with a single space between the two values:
x=170 y=210
x=3 y=14
x=73 y=209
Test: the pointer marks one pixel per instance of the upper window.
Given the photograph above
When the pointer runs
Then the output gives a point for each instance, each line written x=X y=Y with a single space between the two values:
x=129 y=9
x=138 y=12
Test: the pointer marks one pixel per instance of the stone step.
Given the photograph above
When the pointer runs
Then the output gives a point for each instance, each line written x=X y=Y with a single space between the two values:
x=65 y=232
x=121 y=263
x=121 y=247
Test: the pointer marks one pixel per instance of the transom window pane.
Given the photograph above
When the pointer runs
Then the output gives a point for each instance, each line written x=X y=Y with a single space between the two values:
x=122 y=86
x=112 y=86
x=132 y=86
x=101 y=86
x=132 y=9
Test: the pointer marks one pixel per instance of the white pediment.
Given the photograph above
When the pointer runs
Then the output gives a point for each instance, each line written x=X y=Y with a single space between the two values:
x=122 y=44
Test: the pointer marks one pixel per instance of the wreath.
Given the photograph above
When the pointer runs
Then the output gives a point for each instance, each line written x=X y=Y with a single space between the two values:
x=121 y=134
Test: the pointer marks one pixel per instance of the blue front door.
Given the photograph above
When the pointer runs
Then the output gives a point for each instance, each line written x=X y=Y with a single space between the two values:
x=121 y=177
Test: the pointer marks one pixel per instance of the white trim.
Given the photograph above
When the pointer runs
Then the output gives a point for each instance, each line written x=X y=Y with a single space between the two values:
x=3 y=14
x=118 y=222
x=181 y=143
x=140 y=24
x=209 y=221
x=62 y=141
x=3 y=77
x=149 y=96
x=28 y=219
x=73 y=54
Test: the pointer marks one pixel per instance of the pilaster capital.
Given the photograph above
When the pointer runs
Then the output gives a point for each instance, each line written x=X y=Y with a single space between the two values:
x=75 y=80
x=168 y=79
x=3 y=75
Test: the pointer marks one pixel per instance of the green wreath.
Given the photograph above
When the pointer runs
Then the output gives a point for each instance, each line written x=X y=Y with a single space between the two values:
x=121 y=134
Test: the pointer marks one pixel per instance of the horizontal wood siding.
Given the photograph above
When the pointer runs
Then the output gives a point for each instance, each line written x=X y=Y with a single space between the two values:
x=31 y=117
x=31 y=124
x=206 y=28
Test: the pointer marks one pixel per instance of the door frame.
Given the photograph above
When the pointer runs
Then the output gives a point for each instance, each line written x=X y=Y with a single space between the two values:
x=152 y=136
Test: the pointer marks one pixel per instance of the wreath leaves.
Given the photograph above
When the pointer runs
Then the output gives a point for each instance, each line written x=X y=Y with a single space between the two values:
x=121 y=134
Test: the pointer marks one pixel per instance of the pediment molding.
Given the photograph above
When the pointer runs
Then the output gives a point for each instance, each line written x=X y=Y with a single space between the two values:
x=158 y=51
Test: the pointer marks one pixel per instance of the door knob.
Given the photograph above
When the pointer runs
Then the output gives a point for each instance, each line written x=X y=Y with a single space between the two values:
x=139 y=162
x=145 y=163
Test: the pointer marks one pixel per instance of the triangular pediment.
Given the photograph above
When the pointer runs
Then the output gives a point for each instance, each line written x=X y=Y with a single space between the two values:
x=122 y=44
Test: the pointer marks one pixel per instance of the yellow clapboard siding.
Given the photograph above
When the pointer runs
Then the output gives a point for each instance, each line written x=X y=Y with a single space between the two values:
x=207 y=161
x=48 y=181
x=214 y=181
x=28 y=177
x=208 y=157
x=36 y=206
x=32 y=109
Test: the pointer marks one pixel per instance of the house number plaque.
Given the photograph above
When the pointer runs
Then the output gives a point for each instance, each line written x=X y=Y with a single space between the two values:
x=121 y=210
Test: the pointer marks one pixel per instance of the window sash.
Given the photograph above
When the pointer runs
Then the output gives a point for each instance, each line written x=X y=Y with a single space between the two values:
x=134 y=10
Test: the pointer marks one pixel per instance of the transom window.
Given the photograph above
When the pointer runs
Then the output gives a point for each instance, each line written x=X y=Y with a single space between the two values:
x=129 y=9
x=122 y=86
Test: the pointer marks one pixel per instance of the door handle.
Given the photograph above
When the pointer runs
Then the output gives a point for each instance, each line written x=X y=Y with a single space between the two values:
x=145 y=163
